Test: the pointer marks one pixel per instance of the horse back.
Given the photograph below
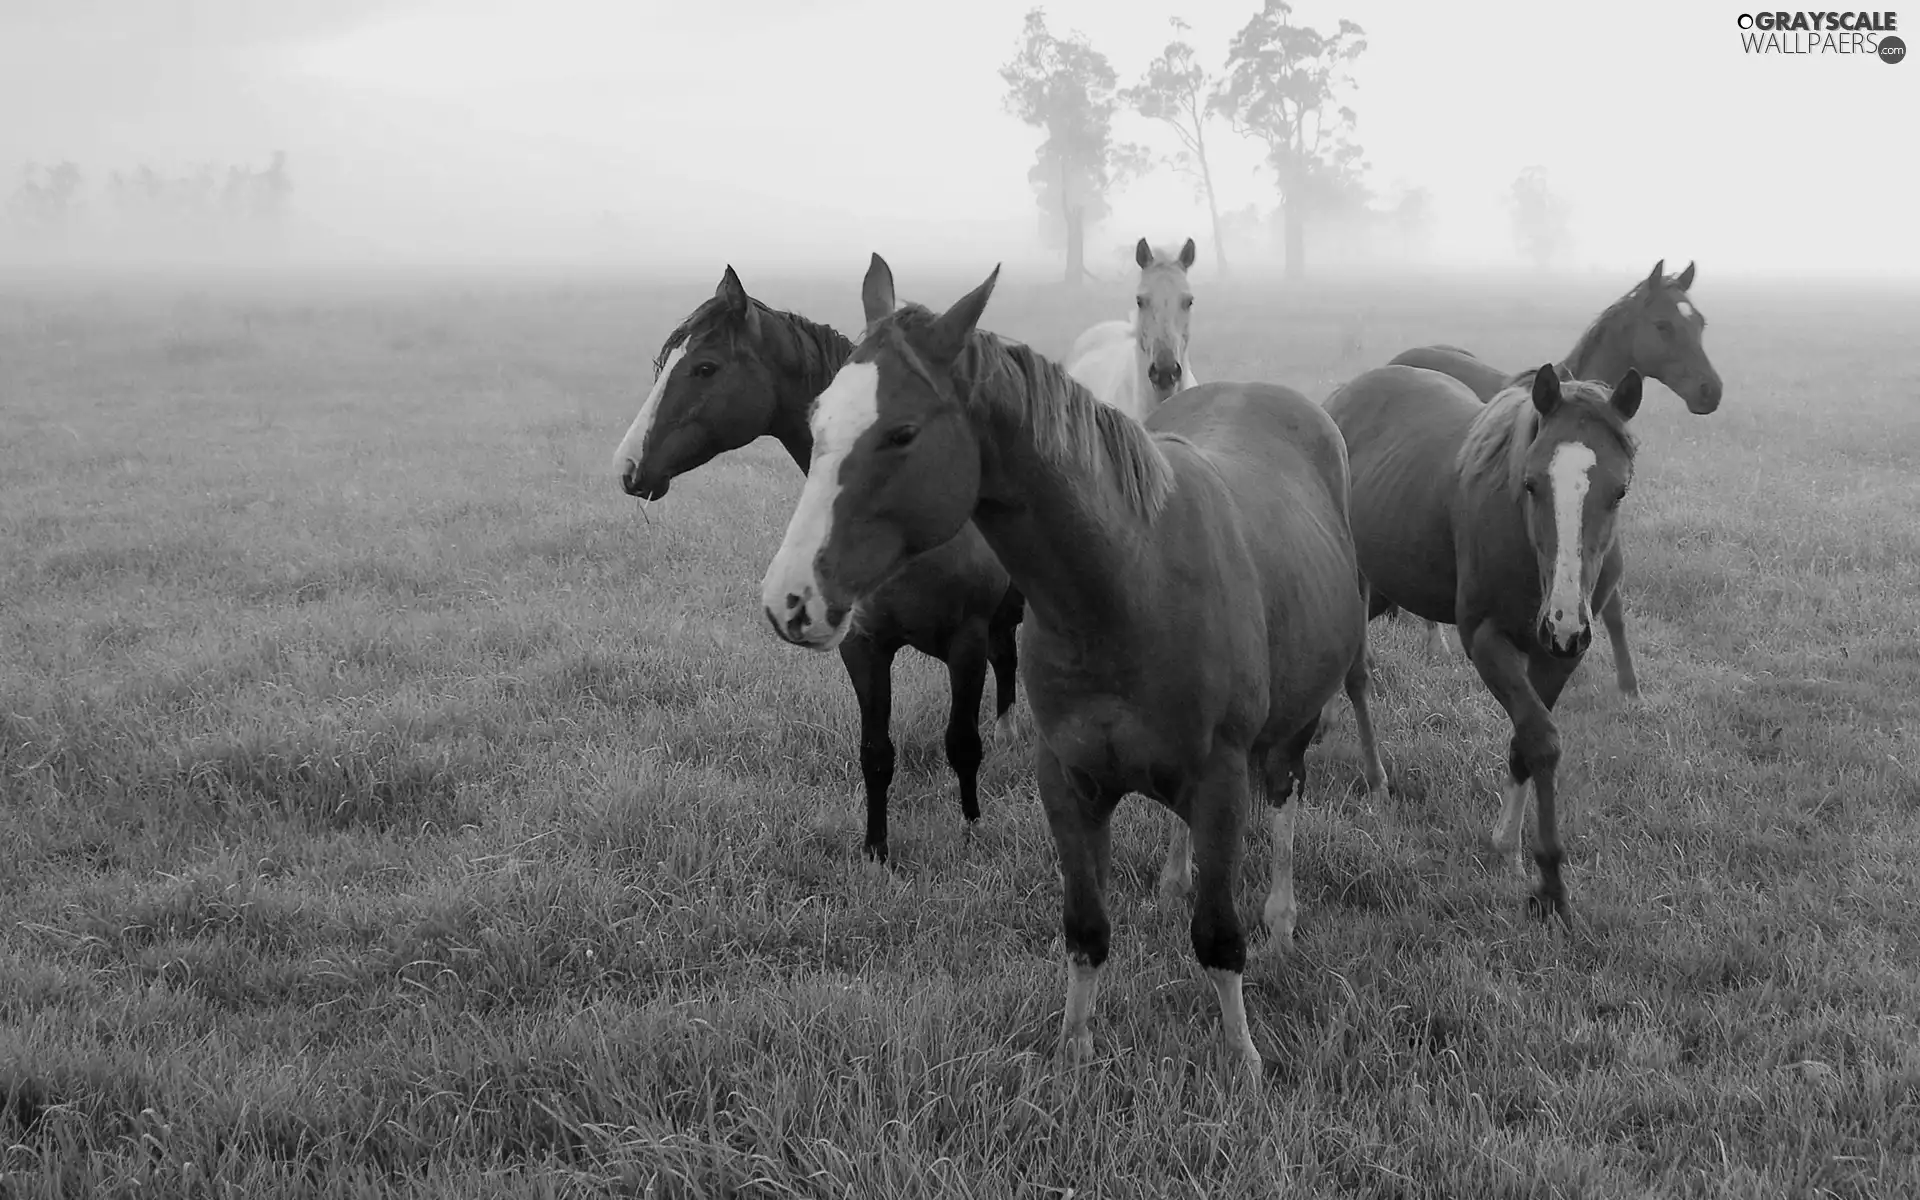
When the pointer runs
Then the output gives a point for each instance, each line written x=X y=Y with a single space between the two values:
x=1264 y=439
x=1483 y=380
x=1098 y=337
x=1403 y=428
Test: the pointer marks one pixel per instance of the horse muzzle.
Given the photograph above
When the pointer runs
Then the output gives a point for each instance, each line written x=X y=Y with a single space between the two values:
x=637 y=483
x=805 y=618
x=1565 y=643
x=1165 y=378
x=1704 y=398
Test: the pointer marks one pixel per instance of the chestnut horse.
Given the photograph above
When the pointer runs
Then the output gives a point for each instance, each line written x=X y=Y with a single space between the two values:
x=1192 y=595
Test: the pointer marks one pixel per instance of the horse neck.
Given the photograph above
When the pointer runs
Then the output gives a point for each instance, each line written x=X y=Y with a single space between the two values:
x=1601 y=352
x=804 y=360
x=1064 y=533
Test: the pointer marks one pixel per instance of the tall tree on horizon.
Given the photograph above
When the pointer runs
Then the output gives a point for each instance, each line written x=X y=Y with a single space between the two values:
x=1066 y=88
x=1541 y=217
x=1283 y=84
x=1181 y=94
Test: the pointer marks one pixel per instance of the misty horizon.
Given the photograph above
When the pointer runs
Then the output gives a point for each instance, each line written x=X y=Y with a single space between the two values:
x=782 y=137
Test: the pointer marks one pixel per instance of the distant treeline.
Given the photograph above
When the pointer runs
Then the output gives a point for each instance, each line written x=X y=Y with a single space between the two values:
x=206 y=206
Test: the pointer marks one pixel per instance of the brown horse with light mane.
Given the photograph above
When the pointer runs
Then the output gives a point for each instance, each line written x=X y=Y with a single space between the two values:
x=1191 y=590
x=1497 y=518
x=1656 y=330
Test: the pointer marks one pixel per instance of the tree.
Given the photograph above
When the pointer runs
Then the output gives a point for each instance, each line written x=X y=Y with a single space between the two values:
x=1540 y=217
x=47 y=200
x=1178 y=92
x=1283 y=81
x=1066 y=88
x=1412 y=217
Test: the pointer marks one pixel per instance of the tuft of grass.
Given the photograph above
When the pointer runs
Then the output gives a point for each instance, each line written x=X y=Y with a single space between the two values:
x=387 y=804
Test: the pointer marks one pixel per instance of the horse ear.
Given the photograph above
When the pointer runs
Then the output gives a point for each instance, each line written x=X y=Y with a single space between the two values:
x=1626 y=395
x=1653 y=280
x=1685 y=282
x=876 y=291
x=1186 y=255
x=1143 y=254
x=1565 y=373
x=732 y=291
x=733 y=294
x=949 y=334
x=1546 y=389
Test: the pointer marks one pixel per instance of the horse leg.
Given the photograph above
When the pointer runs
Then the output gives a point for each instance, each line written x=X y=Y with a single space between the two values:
x=870 y=665
x=1375 y=605
x=1284 y=782
x=1216 y=808
x=1176 y=873
x=1003 y=654
x=1078 y=819
x=1613 y=615
x=1532 y=756
x=1359 y=683
x=1548 y=678
x=967 y=672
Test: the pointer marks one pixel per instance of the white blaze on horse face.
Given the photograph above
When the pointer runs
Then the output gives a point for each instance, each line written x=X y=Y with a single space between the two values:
x=1566 y=612
x=635 y=443
x=1686 y=309
x=791 y=590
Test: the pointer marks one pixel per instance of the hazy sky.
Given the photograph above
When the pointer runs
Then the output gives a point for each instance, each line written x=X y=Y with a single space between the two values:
x=760 y=130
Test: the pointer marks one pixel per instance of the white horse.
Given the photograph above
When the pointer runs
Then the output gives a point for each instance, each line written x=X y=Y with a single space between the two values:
x=1133 y=365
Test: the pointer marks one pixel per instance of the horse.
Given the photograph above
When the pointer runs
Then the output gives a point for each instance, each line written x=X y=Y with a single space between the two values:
x=1136 y=363
x=1192 y=593
x=1655 y=329
x=736 y=369
x=1498 y=518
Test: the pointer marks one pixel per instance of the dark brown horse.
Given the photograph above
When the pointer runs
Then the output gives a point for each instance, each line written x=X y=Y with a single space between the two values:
x=1496 y=518
x=1191 y=588
x=735 y=370
x=1654 y=329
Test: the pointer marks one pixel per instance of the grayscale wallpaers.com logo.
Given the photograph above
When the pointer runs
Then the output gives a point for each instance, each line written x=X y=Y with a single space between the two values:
x=1863 y=33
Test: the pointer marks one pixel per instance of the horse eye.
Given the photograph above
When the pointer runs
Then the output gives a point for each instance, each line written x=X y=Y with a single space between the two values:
x=705 y=370
x=1532 y=488
x=1139 y=301
x=902 y=435
x=1187 y=303
x=1664 y=326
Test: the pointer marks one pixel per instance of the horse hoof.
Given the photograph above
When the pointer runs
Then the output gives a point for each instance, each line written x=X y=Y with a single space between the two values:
x=1280 y=922
x=1545 y=906
x=876 y=853
x=1077 y=1049
x=1249 y=1068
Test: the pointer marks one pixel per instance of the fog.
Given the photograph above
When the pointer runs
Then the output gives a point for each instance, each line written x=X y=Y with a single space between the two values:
x=805 y=133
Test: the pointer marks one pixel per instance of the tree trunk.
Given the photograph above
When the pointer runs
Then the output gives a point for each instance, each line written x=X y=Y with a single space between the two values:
x=1213 y=211
x=1076 y=245
x=1296 y=236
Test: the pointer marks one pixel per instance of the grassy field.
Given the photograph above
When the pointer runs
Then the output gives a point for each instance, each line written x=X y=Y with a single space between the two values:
x=391 y=806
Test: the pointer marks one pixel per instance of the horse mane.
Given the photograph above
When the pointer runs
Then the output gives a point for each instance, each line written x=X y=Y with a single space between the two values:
x=1070 y=428
x=1495 y=448
x=819 y=350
